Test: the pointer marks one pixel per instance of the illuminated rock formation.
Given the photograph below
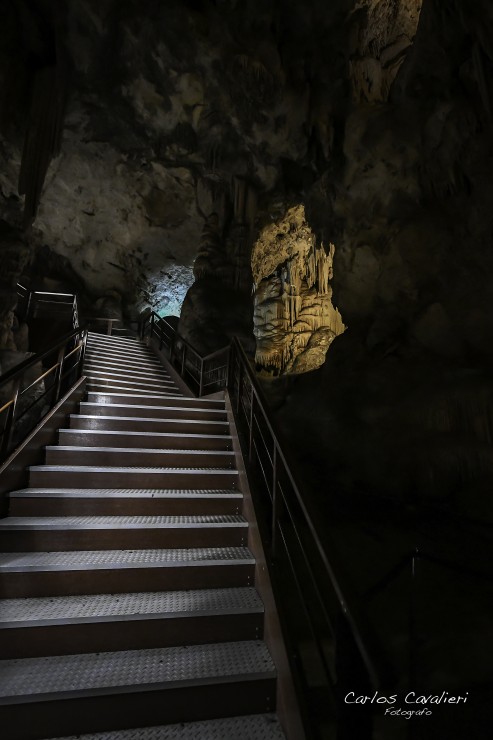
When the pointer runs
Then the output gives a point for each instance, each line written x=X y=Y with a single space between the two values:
x=294 y=318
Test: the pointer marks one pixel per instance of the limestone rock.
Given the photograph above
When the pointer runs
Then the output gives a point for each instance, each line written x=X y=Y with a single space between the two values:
x=294 y=318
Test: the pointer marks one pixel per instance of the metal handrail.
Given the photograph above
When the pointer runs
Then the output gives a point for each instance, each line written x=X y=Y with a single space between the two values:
x=290 y=538
x=191 y=365
x=48 y=297
x=15 y=385
x=350 y=612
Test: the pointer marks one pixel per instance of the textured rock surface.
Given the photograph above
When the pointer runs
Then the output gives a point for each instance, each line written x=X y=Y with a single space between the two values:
x=294 y=319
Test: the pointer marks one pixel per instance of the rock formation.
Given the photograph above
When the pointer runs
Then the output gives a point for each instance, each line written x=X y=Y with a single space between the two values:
x=294 y=318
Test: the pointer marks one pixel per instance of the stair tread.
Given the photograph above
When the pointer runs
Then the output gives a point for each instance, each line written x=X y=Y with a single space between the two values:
x=213 y=401
x=139 y=450
x=110 y=388
x=97 y=607
x=111 y=337
x=250 y=727
x=76 y=560
x=104 y=493
x=128 y=372
x=128 y=469
x=101 y=354
x=125 y=377
x=151 y=420
x=121 y=522
x=31 y=679
x=124 y=356
x=161 y=435
x=168 y=407
x=122 y=369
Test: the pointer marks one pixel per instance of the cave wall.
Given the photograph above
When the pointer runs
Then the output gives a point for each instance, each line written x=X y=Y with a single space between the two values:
x=402 y=406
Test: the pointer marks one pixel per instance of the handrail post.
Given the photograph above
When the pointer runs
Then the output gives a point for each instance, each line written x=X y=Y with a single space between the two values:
x=58 y=374
x=201 y=379
x=275 y=504
x=412 y=618
x=250 y=435
x=229 y=366
x=183 y=357
x=82 y=353
x=9 y=426
x=240 y=380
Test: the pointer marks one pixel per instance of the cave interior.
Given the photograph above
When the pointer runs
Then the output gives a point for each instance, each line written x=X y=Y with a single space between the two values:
x=315 y=179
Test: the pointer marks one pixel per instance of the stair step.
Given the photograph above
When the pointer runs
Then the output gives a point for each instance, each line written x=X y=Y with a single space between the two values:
x=123 y=571
x=106 y=345
x=64 y=625
x=144 y=424
x=141 y=457
x=95 y=337
x=148 y=385
x=252 y=727
x=95 y=690
x=167 y=409
x=24 y=533
x=130 y=502
x=92 y=476
x=130 y=361
x=123 y=356
x=155 y=440
x=151 y=399
x=125 y=371
x=102 y=386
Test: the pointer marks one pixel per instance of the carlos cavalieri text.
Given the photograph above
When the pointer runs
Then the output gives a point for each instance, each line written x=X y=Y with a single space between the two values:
x=410 y=698
x=421 y=700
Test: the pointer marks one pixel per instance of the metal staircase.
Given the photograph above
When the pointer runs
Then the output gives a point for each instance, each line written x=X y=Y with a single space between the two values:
x=127 y=586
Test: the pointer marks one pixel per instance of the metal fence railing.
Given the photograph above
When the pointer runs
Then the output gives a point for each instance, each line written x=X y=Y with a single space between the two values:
x=30 y=390
x=331 y=647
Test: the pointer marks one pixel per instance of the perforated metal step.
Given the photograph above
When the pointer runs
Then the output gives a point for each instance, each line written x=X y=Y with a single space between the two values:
x=146 y=408
x=45 y=611
x=94 y=336
x=121 y=522
x=93 y=354
x=147 y=381
x=106 y=417
x=129 y=398
x=256 y=727
x=126 y=493
x=34 y=679
x=126 y=370
x=75 y=560
x=155 y=439
x=122 y=355
x=130 y=451
x=102 y=386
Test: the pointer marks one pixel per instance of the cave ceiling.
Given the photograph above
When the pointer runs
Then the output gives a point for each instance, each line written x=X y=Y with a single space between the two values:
x=132 y=122
x=159 y=106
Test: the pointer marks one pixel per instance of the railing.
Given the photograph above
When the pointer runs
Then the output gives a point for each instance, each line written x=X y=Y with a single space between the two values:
x=32 y=303
x=203 y=374
x=332 y=650
x=30 y=390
